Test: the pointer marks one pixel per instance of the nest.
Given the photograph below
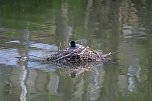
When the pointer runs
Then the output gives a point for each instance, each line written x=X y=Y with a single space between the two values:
x=79 y=56
x=80 y=59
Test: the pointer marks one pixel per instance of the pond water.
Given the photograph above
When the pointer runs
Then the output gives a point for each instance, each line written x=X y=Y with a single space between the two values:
x=38 y=27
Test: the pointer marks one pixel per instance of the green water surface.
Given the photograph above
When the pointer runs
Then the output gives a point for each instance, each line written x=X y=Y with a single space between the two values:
x=37 y=27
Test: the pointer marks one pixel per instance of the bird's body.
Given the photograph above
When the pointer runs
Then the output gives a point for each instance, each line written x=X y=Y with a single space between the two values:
x=73 y=45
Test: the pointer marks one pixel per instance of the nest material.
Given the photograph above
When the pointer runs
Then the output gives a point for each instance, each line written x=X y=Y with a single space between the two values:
x=76 y=56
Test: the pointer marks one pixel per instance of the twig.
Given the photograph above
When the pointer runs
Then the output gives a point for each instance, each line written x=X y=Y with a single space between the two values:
x=106 y=55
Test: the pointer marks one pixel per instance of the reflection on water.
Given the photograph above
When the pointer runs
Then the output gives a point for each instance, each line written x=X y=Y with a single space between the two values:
x=37 y=28
x=133 y=77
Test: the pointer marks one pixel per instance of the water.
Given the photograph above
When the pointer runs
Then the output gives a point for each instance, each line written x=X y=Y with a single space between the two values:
x=36 y=28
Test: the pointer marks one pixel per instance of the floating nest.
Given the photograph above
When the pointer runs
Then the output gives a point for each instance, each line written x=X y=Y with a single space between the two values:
x=80 y=56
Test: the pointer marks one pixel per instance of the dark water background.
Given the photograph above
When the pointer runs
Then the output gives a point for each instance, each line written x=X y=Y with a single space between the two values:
x=36 y=27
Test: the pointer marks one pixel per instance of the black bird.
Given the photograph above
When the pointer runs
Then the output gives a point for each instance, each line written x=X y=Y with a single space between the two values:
x=73 y=45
